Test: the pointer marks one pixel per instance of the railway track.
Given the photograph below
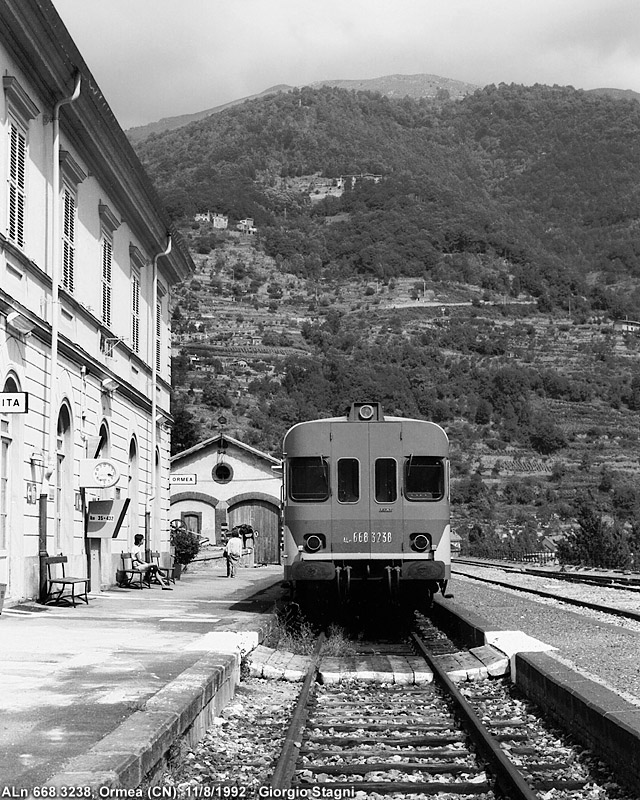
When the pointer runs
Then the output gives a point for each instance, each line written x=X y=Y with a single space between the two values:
x=581 y=602
x=430 y=738
x=630 y=582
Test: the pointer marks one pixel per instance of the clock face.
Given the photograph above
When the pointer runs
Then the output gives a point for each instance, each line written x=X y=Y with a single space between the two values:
x=105 y=473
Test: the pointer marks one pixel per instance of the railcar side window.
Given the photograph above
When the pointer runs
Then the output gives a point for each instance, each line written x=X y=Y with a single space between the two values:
x=385 y=479
x=423 y=478
x=348 y=480
x=308 y=479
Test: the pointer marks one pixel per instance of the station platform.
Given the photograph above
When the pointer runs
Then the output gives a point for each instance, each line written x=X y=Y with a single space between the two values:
x=82 y=689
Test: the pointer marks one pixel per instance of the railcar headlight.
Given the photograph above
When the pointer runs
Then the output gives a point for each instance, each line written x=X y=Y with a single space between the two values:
x=420 y=542
x=366 y=412
x=314 y=542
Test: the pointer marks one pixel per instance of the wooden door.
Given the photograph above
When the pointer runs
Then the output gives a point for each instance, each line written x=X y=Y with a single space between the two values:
x=263 y=517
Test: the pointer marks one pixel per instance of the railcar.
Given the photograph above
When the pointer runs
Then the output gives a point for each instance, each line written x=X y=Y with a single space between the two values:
x=366 y=507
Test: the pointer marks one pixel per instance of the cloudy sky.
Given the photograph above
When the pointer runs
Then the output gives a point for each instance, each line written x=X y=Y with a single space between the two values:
x=161 y=58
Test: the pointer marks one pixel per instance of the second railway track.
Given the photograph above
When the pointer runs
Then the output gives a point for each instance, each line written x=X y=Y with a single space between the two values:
x=569 y=594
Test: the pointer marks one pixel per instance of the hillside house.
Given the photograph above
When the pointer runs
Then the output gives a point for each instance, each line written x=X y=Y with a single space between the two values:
x=626 y=326
x=87 y=262
x=246 y=226
x=219 y=221
x=223 y=482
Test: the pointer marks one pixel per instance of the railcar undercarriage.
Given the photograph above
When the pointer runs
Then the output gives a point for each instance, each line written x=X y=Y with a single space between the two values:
x=401 y=584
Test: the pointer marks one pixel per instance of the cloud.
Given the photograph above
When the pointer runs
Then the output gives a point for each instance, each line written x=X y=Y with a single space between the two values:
x=158 y=58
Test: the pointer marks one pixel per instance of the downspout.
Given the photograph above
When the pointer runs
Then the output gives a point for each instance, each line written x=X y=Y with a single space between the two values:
x=151 y=496
x=51 y=465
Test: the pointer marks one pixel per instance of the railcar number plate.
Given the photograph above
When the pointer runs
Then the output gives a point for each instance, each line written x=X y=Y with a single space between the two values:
x=369 y=537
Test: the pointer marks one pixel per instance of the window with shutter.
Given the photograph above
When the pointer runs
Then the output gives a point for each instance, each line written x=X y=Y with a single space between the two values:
x=68 y=239
x=17 y=183
x=158 y=334
x=135 y=312
x=107 y=259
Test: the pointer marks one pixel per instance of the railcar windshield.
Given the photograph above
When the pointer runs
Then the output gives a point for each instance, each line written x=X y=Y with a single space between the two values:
x=309 y=479
x=386 y=489
x=423 y=478
x=348 y=480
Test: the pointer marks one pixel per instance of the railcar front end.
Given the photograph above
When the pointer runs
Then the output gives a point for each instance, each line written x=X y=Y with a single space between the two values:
x=366 y=504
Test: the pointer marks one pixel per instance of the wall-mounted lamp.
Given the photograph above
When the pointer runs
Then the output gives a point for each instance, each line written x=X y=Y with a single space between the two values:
x=20 y=323
x=109 y=385
x=37 y=465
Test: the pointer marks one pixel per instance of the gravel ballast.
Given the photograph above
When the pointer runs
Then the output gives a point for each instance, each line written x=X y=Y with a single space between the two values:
x=603 y=647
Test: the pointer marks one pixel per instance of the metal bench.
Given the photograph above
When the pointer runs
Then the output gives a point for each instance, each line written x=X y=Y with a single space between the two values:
x=61 y=581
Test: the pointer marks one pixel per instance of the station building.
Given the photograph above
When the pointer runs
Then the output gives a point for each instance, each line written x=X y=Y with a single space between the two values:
x=222 y=482
x=87 y=261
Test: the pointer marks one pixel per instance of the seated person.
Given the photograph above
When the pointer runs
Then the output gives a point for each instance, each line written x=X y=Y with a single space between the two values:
x=150 y=570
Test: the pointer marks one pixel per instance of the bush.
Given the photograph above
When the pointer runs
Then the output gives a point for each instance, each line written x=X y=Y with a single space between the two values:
x=186 y=546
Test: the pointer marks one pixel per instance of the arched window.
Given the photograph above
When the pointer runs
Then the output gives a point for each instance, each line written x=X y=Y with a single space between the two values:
x=133 y=489
x=64 y=482
x=103 y=444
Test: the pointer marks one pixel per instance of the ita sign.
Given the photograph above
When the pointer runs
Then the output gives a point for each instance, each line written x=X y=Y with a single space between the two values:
x=14 y=402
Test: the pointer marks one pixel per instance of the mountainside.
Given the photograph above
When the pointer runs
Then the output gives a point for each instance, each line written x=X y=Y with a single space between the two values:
x=617 y=94
x=468 y=262
x=390 y=85
x=141 y=132
x=399 y=86
x=543 y=182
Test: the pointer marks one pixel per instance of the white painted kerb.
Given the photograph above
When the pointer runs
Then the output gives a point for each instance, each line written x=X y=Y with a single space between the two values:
x=512 y=642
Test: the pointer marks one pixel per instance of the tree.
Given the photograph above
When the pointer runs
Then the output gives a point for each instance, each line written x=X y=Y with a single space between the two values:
x=215 y=396
x=184 y=433
x=597 y=542
x=545 y=436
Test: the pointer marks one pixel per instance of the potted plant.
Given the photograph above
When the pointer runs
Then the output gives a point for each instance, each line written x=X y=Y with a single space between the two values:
x=186 y=546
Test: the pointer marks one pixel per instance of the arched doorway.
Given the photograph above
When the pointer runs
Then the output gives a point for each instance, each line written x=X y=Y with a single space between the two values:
x=264 y=516
x=10 y=449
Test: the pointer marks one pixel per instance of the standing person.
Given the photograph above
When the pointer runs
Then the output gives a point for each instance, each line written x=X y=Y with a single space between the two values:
x=138 y=562
x=232 y=553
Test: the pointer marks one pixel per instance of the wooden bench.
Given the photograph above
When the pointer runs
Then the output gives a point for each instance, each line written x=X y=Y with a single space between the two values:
x=165 y=572
x=128 y=575
x=61 y=581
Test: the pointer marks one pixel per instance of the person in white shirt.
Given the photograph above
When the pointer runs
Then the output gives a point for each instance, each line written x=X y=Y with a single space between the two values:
x=232 y=553
x=150 y=570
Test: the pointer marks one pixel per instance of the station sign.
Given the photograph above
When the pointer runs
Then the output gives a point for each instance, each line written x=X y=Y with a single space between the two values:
x=105 y=517
x=186 y=479
x=14 y=402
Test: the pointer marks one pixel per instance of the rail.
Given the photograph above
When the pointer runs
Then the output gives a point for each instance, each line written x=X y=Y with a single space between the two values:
x=508 y=777
x=285 y=768
x=572 y=601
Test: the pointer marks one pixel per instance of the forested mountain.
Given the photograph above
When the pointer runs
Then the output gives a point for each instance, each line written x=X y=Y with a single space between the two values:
x=390 y=85
x=544 y=182
x=515 y=209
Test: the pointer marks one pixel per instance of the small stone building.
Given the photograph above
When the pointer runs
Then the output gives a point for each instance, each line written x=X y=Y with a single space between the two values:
x=222 y=482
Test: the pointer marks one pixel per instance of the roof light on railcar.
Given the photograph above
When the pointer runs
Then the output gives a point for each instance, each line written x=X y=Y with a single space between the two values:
x=366 y=412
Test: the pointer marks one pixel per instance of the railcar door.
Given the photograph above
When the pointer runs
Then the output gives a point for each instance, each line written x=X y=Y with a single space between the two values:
x=366 y=507
x=385 y=498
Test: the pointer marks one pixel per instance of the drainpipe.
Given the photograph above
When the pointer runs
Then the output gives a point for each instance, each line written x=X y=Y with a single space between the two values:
x=50 y=467
x=151 y=496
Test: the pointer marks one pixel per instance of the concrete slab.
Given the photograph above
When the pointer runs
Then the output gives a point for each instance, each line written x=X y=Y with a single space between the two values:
x=71 y=677
x=513 y=642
